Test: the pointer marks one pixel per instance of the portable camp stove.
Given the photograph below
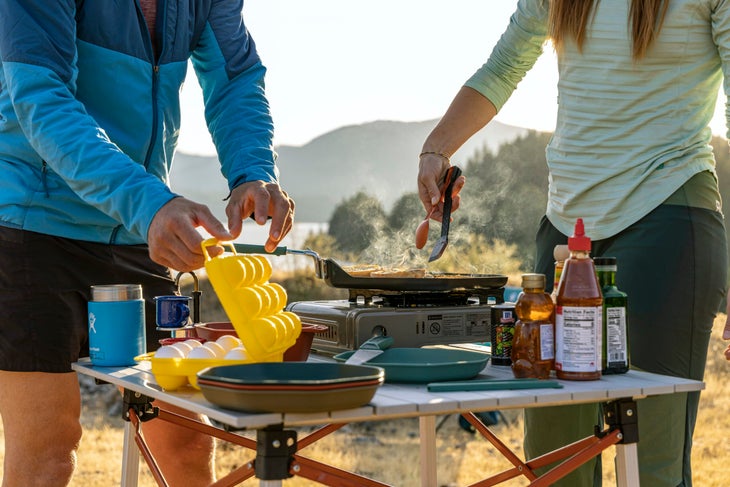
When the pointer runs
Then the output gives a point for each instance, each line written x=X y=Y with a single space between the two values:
x=412 y=318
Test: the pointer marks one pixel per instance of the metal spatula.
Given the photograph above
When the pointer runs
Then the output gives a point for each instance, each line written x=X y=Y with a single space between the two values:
x=451 y=175
x=370 y=349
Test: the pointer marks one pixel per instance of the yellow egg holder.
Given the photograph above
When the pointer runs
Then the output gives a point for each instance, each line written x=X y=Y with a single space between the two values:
x=255 y=308
x=174 y=373
x=253 y=304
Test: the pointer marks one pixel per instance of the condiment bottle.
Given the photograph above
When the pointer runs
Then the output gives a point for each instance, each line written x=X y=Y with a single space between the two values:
x=502 y=331
x=579 y=312
x=560 y=254
x=615 y=349
x=533 y=344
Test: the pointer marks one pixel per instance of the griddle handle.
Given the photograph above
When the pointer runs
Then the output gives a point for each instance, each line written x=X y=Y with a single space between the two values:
x=258 y=249
x=282 y=250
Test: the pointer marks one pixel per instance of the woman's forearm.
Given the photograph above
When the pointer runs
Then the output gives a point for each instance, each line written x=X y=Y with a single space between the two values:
x=469 y=112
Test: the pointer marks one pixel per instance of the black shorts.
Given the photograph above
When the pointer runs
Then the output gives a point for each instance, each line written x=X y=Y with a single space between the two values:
x=45 y=286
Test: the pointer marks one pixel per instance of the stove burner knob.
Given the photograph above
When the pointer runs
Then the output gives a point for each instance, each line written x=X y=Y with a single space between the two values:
x=379 y=331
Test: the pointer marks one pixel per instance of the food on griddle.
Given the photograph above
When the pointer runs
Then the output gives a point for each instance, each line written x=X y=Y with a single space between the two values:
x=413 y=272
x=374 y=270
x=361 y=270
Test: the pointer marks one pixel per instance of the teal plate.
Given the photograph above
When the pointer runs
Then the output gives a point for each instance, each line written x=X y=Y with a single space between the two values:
x=423 y=365
x=290 y=374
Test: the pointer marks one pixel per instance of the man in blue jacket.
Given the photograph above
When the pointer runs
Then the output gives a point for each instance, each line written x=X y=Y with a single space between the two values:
x=89 y=120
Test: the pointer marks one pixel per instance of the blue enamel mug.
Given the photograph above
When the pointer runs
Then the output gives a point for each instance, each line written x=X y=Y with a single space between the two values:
x=173 y=311
x=116 y=324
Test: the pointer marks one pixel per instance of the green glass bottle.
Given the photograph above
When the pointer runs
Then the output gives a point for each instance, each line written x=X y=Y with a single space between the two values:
x=615 y=353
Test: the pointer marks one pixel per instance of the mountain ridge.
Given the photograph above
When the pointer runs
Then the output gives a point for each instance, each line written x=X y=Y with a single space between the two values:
x=379 y=158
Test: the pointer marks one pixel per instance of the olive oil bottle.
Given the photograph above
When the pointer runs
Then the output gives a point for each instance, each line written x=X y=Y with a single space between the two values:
x=615 y=350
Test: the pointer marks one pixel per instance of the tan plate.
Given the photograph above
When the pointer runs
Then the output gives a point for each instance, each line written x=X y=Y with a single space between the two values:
x=284 y=387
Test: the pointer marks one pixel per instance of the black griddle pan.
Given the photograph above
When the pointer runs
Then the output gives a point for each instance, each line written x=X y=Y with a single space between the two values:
x=334 y=275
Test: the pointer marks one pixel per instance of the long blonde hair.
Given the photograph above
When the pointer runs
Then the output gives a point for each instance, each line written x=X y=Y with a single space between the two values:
x=570 y=18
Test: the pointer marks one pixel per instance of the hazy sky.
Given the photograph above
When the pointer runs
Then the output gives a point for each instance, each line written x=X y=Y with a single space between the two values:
x=342 y=62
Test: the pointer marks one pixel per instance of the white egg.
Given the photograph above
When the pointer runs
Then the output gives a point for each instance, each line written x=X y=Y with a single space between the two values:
x=238 y=353
x=193 y=343
x=229 y=342
x=185 y=347
x=216 y=348
x=201 y=352
x=169 y=351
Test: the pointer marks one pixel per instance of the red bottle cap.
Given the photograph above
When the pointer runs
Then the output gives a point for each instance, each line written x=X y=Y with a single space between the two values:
x=579 y=241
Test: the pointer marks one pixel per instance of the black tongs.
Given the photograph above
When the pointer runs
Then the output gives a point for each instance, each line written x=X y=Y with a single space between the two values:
x=452 y=174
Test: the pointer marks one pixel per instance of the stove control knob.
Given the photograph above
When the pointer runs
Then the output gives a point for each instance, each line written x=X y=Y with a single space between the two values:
x=379 y=331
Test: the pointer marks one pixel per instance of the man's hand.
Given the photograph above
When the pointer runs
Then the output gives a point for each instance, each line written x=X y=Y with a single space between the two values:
x=173 y=239
x=263 y=200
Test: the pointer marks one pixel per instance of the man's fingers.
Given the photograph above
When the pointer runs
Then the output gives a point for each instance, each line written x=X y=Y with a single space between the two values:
x=173 y=238
x=282 y=216
x=264 y=201
x=212 y=225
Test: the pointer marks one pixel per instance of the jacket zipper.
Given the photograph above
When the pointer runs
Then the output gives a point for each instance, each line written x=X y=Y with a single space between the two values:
x=44 y=178
x=159 y=34
x=153 y=135
x=155 y=84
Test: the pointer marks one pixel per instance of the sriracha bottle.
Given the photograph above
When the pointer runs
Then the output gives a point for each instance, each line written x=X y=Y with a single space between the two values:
x=579 y=313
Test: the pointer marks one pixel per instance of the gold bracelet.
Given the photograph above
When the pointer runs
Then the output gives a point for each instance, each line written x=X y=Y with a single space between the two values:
x=440 y=154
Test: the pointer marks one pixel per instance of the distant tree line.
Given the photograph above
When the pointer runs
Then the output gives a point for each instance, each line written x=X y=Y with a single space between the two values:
x=492 y=232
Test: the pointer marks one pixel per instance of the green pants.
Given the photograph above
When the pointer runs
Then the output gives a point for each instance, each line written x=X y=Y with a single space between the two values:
x=673 y=266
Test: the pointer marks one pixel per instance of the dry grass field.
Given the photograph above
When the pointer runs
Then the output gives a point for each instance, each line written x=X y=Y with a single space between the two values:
x=388 y=451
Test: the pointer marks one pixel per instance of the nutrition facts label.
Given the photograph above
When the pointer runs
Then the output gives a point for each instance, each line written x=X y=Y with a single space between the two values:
x=578 y=341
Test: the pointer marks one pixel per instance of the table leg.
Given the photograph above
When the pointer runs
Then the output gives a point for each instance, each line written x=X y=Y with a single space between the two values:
x=627 y=465
x=427 y=430
x=130 y=457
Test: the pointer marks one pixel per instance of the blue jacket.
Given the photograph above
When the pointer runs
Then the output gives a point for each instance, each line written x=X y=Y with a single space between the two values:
x=89 y=115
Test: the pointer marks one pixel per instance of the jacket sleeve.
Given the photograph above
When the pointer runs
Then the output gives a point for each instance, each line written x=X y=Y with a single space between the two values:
x=236 y=109
x=38 y=52
x=514 y=54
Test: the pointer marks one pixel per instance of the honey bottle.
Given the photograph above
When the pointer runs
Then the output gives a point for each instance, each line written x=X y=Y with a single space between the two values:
x=533 y=344
x=578 y=313
x=615 y=348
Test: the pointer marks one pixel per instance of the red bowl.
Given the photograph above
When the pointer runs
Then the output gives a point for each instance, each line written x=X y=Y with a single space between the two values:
x=301 y=348
x=299 y=352
x=173 y=340
x=214 y=330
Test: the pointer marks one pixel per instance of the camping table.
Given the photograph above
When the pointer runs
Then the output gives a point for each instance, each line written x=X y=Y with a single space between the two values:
x=276 y=443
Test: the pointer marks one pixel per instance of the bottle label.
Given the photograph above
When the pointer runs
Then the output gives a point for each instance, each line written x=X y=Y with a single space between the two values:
x=578 y=338
x=616 y=335
x=547 y=342
x=502 y=332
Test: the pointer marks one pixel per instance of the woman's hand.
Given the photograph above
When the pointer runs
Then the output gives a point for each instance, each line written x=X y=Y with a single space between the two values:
x=431 y=173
